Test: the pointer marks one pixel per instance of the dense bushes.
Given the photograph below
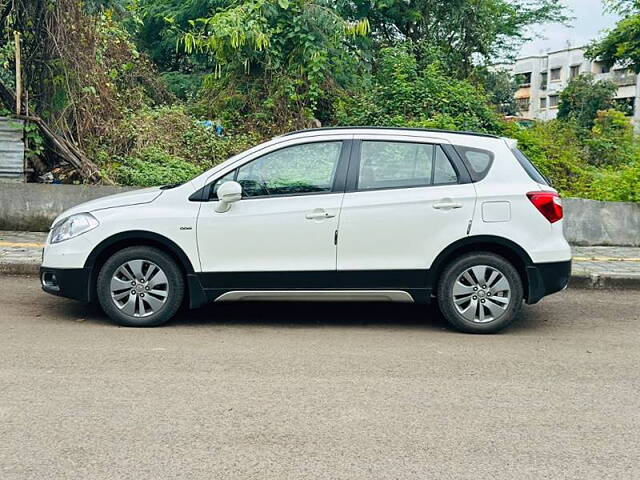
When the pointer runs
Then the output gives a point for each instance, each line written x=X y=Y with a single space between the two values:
x=407 y=92
x=152 y=166
x=554 y=149
x=602 y=163
x=165 y=145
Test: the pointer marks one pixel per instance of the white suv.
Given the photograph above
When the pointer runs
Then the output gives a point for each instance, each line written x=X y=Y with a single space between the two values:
x=370 y=214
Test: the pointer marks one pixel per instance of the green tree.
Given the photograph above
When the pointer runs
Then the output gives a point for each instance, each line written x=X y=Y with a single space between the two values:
x=500 y=86
x=464 y=31
x=622 y=43
x=158 y=26
x=584 y=97
x=289 y=52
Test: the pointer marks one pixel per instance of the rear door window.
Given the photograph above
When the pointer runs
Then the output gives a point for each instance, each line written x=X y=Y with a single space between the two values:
x=387 y=164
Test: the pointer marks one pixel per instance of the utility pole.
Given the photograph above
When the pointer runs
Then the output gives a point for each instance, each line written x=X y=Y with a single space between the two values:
x=16 y=36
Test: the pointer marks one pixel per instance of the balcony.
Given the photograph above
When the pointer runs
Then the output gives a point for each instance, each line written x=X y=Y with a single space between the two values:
x=623 y=78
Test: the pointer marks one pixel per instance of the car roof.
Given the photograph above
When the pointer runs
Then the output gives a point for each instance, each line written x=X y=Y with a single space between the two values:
x=369 y=129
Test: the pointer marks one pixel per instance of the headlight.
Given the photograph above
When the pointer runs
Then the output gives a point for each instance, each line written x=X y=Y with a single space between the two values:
x=72 y=227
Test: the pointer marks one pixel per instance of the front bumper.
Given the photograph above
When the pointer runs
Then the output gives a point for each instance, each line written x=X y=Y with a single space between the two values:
x=547 y=278
x=66 y=282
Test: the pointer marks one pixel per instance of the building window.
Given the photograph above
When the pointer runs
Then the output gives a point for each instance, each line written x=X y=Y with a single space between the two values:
x=524 y=79
x=553 y=101
x=575 y=71
x=626 y=105
x=544 y=77
x=543 y=102
x=555 y=74
x=522 y=104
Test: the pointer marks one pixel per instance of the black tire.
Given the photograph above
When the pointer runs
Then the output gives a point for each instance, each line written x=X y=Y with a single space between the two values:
x=503 y=318
x=172 y=297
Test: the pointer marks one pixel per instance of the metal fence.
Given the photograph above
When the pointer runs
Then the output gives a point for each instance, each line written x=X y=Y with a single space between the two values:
x=11 y=150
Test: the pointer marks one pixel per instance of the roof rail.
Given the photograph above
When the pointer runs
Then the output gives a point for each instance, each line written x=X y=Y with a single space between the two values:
x=433 y=130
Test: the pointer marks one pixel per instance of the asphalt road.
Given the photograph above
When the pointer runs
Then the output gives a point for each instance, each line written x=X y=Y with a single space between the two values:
x=319 y=391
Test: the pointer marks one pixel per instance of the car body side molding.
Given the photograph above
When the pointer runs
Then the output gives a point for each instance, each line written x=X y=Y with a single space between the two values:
x=397 y=296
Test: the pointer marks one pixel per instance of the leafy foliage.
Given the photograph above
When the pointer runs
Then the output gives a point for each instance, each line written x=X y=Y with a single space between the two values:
x=601 y=164
x=464 y=31
x=500 y=87
x=82 y=70
x=158 y=25
x=583 y=97
x=554 y=149
x=151 y=167
x=612 y=140
x=144 y=143
x=622 y=43
x=406 y=93
x=300 y=45
x=617 y=185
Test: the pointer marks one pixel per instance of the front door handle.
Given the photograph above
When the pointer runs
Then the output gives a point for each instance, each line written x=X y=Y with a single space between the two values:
x=318 y=214
x=447 y=205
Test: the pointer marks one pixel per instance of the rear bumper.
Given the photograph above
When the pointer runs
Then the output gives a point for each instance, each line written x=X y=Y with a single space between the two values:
x=547 y=278
x=66 y=282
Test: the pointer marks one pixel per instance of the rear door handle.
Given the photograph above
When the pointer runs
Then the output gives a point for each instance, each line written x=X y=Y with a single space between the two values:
x=447 y=205
x=318 y=213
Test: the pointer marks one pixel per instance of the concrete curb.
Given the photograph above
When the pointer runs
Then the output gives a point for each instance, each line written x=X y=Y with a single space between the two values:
x=20 y=268
x=590 y=281
x=597 y=281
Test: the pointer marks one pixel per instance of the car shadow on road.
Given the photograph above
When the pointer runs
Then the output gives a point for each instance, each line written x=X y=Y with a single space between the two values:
x=283 y=314
x=302 y=315
x=327 y=314
x=311 y=314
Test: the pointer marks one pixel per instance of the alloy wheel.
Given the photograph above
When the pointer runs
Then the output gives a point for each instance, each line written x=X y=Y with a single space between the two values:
x=481 y=294
x=139 y=288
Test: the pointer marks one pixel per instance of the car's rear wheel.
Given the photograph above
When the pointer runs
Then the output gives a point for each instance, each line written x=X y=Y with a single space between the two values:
x=480 y=293
x=140 y=287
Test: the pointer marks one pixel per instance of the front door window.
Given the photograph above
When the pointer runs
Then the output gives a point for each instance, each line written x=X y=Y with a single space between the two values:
x=299 y=169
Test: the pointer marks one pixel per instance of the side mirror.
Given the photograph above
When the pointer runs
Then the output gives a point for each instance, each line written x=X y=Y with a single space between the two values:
x=228 y=193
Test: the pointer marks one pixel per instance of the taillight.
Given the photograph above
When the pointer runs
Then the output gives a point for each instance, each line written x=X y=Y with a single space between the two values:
x=548 y=204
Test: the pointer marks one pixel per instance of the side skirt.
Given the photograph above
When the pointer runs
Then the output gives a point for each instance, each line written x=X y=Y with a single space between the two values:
x=370 y=285
x=316 y=296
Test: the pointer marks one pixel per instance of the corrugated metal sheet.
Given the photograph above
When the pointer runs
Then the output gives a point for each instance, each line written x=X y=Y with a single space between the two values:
x=11 y=150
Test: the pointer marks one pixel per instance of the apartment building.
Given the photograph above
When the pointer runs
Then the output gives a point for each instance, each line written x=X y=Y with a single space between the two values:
x=543 y=77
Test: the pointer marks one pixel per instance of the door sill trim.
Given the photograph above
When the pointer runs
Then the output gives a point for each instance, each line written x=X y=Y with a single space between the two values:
x=397 y=296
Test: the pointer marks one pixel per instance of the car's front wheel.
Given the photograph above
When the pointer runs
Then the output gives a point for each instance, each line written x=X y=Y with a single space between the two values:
x=480 y=293
x=140 y=287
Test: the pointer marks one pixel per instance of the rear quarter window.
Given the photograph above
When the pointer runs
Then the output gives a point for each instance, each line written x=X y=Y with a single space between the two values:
x=478 y=161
